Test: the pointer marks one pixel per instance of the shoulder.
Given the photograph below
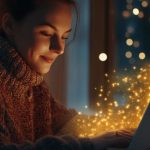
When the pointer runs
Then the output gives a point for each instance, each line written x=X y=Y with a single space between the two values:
x=57 y=109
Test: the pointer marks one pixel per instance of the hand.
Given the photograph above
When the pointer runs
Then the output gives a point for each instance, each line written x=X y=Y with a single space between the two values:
x=51 y=143
x=116 y=139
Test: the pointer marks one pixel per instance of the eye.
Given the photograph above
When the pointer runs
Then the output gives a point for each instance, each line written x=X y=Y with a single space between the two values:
x=65 y=38
x=45 y=33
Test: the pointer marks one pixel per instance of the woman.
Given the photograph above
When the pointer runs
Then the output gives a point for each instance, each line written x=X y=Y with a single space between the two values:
x=33 y=34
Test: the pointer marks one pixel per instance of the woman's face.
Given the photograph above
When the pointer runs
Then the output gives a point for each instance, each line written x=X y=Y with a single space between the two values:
x=40 y=37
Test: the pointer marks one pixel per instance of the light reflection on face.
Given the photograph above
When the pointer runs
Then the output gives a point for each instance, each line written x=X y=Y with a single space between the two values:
x=40 y=37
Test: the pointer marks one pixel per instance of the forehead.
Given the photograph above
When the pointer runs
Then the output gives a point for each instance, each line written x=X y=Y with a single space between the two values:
x=56 y=13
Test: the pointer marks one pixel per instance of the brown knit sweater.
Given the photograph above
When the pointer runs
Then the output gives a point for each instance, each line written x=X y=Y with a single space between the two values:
x=27 y=111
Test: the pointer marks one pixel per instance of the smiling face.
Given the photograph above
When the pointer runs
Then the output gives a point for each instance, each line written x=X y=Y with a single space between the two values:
x=40 y=37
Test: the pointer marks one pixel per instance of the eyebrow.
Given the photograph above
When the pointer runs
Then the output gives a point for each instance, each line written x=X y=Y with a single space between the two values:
x=52 y=26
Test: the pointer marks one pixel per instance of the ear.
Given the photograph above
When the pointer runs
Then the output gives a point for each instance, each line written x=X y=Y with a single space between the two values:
x=8 y=24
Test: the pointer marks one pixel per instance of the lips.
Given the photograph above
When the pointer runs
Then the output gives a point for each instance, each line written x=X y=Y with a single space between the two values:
x=47 y=59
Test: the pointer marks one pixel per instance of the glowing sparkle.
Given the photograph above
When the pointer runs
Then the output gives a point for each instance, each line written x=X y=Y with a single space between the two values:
x=80 y=113
x=129 y=42
x=134 y=67
x=116 y=103
x=128 y=54
x=142 y=55
x=86 y=106
x=103 y=57
x=105 y=99
x=126 y=14
x=106 y=75
x=139 y=76
x=98 y=104
x=136 y=11
x=125 y=79
x=111 y=114
x=141 y=15
x=144 y=3
x=100 y=95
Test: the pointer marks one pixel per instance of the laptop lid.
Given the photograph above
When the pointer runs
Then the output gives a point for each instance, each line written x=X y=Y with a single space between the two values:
x=141 y=139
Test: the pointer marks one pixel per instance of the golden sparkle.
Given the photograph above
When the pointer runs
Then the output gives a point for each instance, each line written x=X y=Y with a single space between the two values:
x=119 y=113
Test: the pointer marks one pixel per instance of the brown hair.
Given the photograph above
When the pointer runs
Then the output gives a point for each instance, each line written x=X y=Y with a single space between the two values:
x=19 y=9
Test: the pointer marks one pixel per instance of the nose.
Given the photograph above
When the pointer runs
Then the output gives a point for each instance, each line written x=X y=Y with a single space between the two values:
x=57 y=45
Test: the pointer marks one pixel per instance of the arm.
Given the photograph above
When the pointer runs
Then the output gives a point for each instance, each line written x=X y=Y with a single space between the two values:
x=62 y=119
x=52 y=142
x=114 y=139
x=45 y=143
x=4 y=134
x=69 y=143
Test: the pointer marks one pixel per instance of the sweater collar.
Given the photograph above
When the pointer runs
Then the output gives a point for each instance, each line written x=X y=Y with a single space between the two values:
x=14 y=69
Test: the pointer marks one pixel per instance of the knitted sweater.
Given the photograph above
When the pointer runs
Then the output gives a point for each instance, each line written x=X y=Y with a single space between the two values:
x=27 y=111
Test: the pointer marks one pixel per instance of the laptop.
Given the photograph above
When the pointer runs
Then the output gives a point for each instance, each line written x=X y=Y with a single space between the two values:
x=141 y=139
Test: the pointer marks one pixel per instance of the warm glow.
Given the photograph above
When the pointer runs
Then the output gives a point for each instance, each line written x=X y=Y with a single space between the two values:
x=111 y=114
x=144 y=3
x=129 y=42
x=103 y=57
x=136 y=11
x=142 y=55
x=128 y=54
x=126 y=14
x=141 y=15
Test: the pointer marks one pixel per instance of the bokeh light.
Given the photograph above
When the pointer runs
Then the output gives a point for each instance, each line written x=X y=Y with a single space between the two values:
x=128 y=54
x=136 y=44
x=103 y=57
x=142 y=55
x=141 y=14
x=136 y=11
x=144 y=3
x=126 y=14
x=129 y=42
x=123 y=111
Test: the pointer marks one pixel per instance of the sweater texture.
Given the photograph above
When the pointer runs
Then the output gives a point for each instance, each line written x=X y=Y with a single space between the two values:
x=27 y=110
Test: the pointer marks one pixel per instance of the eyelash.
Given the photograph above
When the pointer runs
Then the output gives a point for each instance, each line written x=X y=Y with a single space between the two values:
x=65 y=38
x=49 y=35
x=46 y=34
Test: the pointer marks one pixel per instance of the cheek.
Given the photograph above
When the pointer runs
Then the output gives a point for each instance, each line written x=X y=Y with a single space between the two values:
x=39 y=46
x=40 y=43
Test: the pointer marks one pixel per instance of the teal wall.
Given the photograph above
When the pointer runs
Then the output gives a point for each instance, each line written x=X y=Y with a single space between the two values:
x=78 y=61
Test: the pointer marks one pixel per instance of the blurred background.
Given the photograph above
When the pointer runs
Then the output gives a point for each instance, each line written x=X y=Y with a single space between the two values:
x=111 y=36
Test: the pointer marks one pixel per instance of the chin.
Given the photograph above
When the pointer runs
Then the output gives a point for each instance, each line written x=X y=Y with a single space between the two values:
x=43 y=71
